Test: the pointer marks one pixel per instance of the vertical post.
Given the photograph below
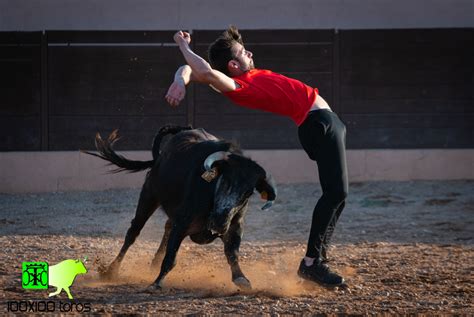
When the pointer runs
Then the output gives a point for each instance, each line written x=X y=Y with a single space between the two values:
x=44 y=93
x=190 y=109
x=336 y=84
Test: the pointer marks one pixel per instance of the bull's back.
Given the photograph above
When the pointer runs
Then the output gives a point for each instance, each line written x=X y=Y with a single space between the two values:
x=184 y=153
x=183 y=140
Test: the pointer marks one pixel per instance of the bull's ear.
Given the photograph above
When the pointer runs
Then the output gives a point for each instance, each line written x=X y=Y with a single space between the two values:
x=210 y=174
x=211 y=165
x=267 y=188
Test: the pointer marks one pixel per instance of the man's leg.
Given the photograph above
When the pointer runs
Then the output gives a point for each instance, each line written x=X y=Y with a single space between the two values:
x=330 y=205
x=329 y=152
x=329 y=232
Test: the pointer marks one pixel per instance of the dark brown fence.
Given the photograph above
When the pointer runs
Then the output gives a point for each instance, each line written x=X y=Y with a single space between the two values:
x=20 y=91
x=407 y=88
x=393 y=88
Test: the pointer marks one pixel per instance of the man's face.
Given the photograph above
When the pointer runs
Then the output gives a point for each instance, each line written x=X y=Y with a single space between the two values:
x=243 y=57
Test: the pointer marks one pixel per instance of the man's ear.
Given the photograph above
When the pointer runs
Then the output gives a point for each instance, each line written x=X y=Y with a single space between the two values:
x=233 y=64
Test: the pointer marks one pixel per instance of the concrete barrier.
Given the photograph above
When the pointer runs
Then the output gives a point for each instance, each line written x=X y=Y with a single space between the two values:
x=22 y=172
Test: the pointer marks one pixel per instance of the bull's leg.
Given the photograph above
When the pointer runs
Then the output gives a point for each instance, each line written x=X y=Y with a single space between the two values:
x=147 y=204
x=164 y=242
x=68 y=292
x=177 y=234
x=58 y=290
x=231 y=248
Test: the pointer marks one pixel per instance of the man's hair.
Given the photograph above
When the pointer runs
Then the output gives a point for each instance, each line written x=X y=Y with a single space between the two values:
x=220 y=51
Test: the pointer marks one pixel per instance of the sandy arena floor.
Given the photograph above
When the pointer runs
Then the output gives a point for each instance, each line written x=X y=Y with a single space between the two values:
x=404 y=247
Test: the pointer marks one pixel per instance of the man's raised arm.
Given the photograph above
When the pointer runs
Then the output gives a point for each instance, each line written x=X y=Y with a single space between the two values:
x=201 y=70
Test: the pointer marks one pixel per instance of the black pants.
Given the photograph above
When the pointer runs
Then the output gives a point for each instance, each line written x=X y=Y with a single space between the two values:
x=323 y=137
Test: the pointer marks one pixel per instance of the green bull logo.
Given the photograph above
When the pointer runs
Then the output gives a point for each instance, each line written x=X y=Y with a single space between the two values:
x=38 y=275
x=62 y=275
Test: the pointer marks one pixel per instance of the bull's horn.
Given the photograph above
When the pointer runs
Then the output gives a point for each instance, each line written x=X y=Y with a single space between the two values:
x=216 y=156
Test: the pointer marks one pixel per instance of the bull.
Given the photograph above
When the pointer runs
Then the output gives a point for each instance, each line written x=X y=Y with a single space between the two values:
x=202 y=183
x=63 y=274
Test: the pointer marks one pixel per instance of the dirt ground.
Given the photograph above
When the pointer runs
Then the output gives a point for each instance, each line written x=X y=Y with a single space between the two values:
x=403 y=247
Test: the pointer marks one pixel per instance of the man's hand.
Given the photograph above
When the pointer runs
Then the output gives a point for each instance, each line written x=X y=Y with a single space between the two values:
x=176 y=93
x=181 y=37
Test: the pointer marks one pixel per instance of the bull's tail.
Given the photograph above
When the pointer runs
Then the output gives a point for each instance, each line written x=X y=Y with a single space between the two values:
x=164 y=131
x=106 y=152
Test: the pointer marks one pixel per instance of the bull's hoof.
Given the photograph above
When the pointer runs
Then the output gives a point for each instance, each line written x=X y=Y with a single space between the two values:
x=153 y=288
x=243 y=283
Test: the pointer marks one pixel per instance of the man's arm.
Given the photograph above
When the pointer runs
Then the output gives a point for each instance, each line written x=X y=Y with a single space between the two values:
x=201 y=70
x=177 y=90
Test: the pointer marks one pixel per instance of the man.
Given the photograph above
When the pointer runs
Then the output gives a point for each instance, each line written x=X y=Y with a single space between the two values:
x=322 y=134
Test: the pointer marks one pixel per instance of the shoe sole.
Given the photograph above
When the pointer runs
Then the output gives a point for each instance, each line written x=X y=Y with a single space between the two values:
x=326 y=285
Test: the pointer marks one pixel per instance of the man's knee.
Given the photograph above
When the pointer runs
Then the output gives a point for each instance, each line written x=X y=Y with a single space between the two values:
x=336 y=197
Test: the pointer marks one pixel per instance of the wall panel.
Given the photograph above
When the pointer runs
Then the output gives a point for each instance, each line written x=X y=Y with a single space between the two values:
x=399 y=88
x=20 y=91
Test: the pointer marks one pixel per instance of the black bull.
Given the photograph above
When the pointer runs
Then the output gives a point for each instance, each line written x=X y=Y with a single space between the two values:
x=202 y=183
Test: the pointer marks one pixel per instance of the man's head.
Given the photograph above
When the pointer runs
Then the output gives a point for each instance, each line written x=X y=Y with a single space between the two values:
x=228 y=55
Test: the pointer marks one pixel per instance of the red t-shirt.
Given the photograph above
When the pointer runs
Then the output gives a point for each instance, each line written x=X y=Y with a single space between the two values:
x=268 y=91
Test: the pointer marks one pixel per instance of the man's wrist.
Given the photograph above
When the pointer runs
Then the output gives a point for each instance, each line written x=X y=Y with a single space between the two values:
x=183 y=45
x=180 y=80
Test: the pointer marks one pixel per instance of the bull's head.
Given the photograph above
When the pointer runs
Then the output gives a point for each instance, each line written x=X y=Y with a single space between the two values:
x=237 y=178
x=79 y=267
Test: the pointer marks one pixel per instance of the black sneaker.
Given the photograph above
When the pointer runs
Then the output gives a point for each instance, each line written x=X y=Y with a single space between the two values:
x=319 y=273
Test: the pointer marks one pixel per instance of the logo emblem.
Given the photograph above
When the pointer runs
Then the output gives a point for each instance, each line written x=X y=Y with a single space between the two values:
x=34 y=275
x=38 y=275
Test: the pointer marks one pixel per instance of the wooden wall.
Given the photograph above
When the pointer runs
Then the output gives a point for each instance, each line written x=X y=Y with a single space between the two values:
x=393 y=88
x=408 y=88
x=20 y=91
x=101 y=81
